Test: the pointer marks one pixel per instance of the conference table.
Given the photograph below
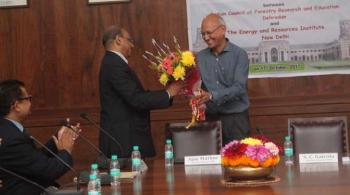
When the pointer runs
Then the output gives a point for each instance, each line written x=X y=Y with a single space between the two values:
x=326 y=178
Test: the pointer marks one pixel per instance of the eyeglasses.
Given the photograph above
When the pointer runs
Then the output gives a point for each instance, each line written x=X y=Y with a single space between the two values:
x=129 y=39
x=29 y=98
x=210 y=32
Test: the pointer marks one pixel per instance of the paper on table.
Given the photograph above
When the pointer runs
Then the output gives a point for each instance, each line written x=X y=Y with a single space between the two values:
x=128 y=175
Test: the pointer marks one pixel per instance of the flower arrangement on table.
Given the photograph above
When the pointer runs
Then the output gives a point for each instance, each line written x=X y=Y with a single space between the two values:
x=178 y=65
x=252 y=151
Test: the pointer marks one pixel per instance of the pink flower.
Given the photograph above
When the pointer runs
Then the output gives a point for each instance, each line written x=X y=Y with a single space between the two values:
x=233 y=144
x=258 y=152
x=234 y=149
x=168 y=65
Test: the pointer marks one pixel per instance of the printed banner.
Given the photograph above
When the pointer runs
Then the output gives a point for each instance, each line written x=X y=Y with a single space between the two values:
x=283 y=37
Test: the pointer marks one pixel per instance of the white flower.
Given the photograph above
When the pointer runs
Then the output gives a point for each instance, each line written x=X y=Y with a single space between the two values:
x=272 y=147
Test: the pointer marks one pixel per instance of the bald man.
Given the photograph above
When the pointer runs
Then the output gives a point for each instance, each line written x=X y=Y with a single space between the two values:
x=224 y=70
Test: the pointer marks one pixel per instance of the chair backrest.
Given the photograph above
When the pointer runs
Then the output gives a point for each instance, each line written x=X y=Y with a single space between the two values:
x=319 y=135
x=201 y=139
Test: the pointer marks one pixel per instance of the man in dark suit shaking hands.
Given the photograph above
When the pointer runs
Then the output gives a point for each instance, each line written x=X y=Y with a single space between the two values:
x=18 y=152
x=125 y=104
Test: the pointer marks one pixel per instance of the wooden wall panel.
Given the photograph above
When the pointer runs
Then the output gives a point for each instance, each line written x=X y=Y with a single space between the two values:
x=55 y=47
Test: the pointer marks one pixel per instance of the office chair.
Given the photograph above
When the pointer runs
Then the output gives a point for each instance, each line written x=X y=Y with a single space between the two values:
x=319 y=135
x=202 y=139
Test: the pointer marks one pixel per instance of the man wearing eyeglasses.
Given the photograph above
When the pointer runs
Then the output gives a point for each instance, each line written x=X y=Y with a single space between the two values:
x=125 y=104
x=18 y=152
x=224 y=71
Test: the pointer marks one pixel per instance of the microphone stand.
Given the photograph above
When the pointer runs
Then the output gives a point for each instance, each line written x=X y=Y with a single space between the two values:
x=78 y=191
x=24 y=179
x=123 y=161
x=85 y=116
x=102 y=162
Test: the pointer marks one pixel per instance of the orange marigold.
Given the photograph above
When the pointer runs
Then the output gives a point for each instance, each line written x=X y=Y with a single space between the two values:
x=235 y=162
x=276 y=160
x=267 y=163
x=253 y=163
x=245 y=160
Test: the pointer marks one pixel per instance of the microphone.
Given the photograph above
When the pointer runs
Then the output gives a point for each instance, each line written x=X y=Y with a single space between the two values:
x=78 y=191
x=85 y=116
x=102 y=159
x=122 y=161
x=49 y=190
x=24 y=179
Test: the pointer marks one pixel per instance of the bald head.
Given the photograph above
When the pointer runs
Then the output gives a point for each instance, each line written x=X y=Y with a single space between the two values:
x=213 y=32
x=214 y=18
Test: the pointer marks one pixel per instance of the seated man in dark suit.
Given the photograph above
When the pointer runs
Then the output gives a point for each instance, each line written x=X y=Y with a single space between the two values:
x=18 y=152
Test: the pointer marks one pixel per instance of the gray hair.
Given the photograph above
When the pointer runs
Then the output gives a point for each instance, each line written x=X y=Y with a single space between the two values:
x=110 y=34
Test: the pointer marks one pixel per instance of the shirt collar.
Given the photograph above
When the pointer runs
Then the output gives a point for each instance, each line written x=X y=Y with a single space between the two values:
x=228 y=47
x=17 y=124
x=120 y=55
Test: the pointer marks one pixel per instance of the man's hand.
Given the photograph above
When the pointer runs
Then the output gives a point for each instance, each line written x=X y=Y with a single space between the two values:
x=204 y=97
x=174 y=88
x=65 y=139
x=77 y=130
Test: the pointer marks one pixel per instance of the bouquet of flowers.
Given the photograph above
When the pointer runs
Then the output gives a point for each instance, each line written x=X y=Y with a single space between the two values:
x=254 y=152
x=177 y=65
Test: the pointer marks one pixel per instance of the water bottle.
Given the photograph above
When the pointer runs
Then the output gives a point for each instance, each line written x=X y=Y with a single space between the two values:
x=288 y=151
x=137 y=185
x=135 y=159
x=169 y=154
x=93 y=185
x=170 y=178
x=114 y=170
x=94 y=171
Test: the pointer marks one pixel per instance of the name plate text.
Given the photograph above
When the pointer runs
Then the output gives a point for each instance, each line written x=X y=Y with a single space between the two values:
x=203 y=160
x=318 y=158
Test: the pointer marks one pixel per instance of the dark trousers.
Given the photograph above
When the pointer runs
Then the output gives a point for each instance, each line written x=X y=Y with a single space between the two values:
x=235 y=126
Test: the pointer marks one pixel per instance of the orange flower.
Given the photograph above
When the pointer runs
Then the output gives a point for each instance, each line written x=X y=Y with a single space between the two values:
x=245 y=160
x=223 y=160
x=235 y=162
x=253 y=163
x=275 y=160
x=268 y=162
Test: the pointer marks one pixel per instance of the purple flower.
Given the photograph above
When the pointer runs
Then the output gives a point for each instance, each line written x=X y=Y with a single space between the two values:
x=258 y=152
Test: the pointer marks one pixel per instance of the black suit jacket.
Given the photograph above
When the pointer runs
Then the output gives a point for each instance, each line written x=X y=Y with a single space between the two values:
x=125 y=108
x=19 y=154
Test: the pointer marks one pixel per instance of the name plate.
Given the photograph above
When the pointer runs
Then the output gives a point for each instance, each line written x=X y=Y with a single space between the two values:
x=318 y=158
x=318 y=167
x=203 y=160
x=203 y=170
